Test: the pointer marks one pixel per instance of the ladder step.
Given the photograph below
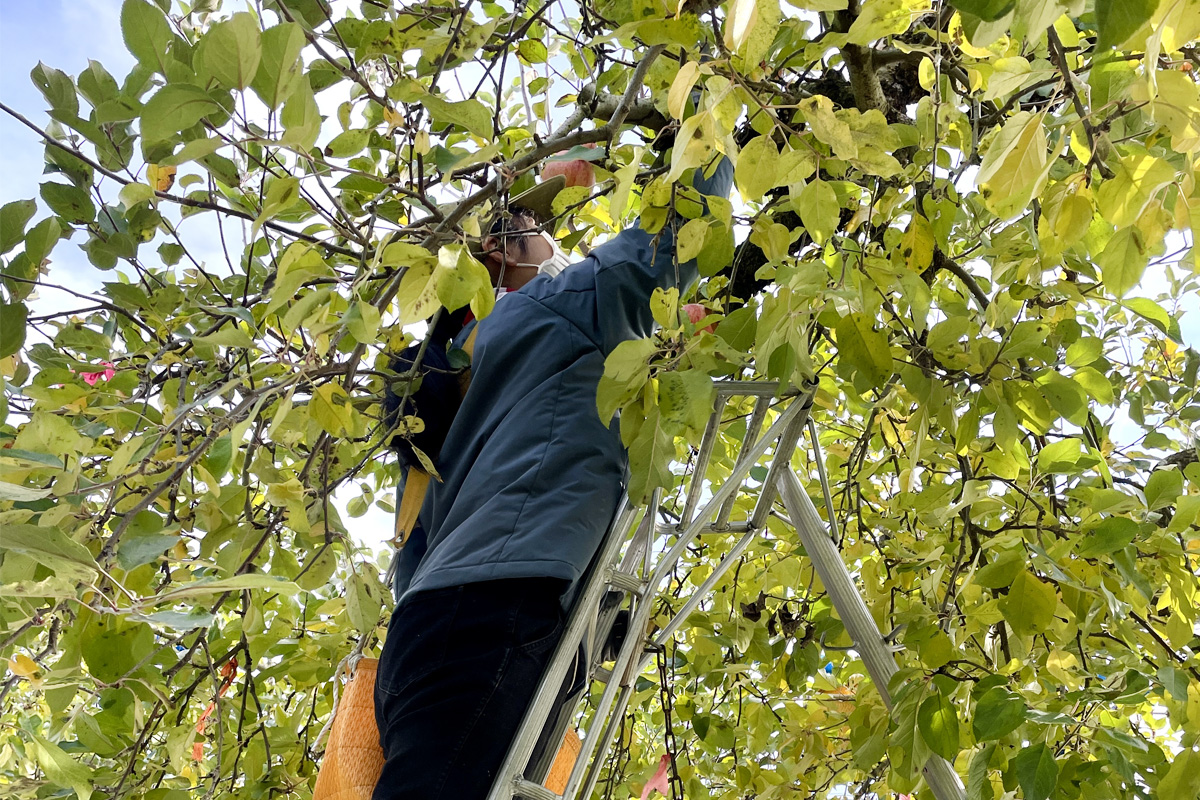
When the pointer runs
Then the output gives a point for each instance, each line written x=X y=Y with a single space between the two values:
x=602 y=674
x=623 y=580
x=534 y=791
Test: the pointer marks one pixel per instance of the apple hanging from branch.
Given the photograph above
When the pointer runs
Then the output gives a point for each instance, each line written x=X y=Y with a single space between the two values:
x=575 y=165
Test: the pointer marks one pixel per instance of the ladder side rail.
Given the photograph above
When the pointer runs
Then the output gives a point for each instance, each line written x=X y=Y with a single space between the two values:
x=618 y=682
x=781 y=462
x=519 y=752
x=705 y=588
x=753 y=429
x=581 y=784
x=705 y=453
x=600 y=629
x=731 y=484
x=852 y=609
x=621 y=673
x=747 y=388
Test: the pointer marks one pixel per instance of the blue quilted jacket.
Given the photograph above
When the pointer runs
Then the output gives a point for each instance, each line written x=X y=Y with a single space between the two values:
x=531 y=475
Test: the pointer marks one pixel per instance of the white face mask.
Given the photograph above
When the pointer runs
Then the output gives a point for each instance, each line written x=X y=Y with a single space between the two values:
x=556 y=263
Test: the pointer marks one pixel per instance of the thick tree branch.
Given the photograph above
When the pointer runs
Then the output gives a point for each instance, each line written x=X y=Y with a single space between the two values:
x=860 y=63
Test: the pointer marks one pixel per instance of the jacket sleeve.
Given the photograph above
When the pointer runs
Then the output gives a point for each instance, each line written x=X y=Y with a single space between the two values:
x=628 y=269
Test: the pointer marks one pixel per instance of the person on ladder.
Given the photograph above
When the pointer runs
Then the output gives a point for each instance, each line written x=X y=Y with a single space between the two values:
x=529 y=478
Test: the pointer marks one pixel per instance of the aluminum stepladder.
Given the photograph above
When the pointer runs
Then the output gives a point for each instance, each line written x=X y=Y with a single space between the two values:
x=626 y=563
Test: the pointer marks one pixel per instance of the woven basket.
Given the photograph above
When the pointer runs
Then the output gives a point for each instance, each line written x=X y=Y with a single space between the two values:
x=353 y=759
x=560 y=770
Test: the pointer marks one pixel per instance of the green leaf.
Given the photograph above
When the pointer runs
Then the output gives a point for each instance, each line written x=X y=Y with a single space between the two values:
x=205 y=587
x=864 y=347
x=691 y=237
x=757 y=169
x=739 y=328
x=58 y=89
x=133 y=551
x=348 y=143
x=1117 y=20
x=939 y=726
x=12 y=327
x=1061 y=456
x=1123 y=261
x=1182 y=780
x=917 y=244
x=113 y=648
x=1029 y=605
x=14 y=217
x=173 y=109
x=650 y=455
x=1003 y=571
x=282 y=194
x=998 y=713
x=626 y=370
x=470 y=115
x=1111 y=535
x=1163 y=486
x=280 y=68
x=1037 y=772
x=819 y=210
x=146 y=32
x=328 y=408
x=21 y=494
x=977 y=772
x=460 y=279
x=685 y=399
x=69 y=202
x=986 y=10
x=362 y=320
x=41 y=238
x=180 y=620
x=1155 y=314
x=61 y=769
x=828 y=127
x=317 y=571
x=301 y=118
x=53 y=548
x=230 y=51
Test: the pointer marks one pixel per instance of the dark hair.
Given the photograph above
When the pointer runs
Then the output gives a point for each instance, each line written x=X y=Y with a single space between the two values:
x=516 y=220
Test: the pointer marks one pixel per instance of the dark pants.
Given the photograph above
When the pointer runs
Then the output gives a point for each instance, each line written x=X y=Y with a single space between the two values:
x=457 y=672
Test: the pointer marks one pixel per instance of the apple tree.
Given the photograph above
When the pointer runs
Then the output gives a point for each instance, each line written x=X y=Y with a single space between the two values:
x=970 y=223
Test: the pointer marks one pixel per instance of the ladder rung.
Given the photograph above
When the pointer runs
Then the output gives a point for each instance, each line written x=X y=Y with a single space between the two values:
x=623 y=580
x=534 y=791
x=603 y=674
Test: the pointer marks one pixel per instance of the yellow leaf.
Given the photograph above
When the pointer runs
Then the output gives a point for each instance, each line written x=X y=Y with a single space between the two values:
x=1060 y=664
x=1074 y=217
x=693 y=145
x=1016 y=165
x=22 y=665
x=916 y=247
x=393 y=118
x=1139 y=177
x=681 y=88
x=160 y=178
x=827 y=127
x=741 y=20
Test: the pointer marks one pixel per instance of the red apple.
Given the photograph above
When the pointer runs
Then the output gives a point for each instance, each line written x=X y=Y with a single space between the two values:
x=578 y=172
x=697 y=312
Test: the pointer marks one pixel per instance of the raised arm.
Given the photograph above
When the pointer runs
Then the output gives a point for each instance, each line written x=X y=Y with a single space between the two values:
x=623 y=273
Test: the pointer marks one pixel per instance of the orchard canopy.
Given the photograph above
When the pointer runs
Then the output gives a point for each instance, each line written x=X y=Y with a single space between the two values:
x=971 y=223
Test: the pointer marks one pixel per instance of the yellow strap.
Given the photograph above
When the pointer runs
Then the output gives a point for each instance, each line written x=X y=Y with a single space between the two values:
x=410 y=504
x=417 y=485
